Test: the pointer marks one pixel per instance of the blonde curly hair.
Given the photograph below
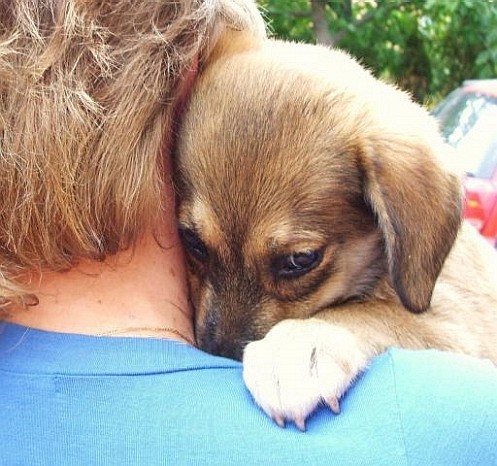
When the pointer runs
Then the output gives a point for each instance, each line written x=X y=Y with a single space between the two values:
x=86 y=88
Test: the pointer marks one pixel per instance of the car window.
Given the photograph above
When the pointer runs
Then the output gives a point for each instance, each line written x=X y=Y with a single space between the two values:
x=469 y=124
x=477 y=148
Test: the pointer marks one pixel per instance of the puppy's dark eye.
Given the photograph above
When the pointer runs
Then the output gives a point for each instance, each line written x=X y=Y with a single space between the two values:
x=297 y=264
x=193 y=244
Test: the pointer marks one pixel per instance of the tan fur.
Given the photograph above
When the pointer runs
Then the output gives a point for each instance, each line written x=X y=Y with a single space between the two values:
x=289 y=148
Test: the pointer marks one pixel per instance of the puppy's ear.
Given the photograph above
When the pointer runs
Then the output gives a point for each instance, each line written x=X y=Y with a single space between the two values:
x=418 y=205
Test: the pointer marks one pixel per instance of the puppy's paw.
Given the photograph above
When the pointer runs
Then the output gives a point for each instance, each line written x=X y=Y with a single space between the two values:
x=300 y=364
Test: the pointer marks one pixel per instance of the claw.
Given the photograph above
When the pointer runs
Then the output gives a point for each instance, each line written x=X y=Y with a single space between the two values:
x=300 y=423
x=333 y=404
x=279 y=420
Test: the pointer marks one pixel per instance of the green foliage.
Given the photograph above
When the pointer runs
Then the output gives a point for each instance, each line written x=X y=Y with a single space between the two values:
x=289 y=20
x=461 y=41
x=427 y=46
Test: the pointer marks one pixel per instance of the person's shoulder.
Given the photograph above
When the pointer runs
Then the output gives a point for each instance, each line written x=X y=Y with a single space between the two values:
x=440 y=372
x=442 y=363
x=408 y=408
x=447 y=406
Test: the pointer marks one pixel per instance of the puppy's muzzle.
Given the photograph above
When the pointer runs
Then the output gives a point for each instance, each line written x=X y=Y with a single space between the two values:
x=217 y=335
x=228 y=322
x=212 y=341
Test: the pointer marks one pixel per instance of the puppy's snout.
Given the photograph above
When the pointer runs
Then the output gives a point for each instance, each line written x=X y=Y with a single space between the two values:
x=227 y=318
x=225 y=330
x=226 y=349
x=212 y=339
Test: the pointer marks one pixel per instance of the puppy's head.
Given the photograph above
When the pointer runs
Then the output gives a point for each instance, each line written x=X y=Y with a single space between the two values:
x=302 y=182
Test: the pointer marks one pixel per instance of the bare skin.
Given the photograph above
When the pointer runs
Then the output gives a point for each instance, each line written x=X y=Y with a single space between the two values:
x=130 y=292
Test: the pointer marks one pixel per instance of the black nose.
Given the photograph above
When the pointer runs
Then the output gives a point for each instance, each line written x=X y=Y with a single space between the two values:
x=224 y=348
x=213 y=337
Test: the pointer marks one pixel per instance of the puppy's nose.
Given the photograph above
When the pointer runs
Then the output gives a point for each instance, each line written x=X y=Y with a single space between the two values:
x=215 y=337
x=218 y=347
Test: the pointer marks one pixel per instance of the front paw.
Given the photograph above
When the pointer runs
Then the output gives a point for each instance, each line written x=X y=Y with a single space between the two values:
x=298 y=365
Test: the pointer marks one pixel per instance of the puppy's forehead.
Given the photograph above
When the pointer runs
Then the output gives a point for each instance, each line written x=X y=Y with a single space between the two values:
x=199 y=215
x=266 y=150
x=250 y=144
x=259 y=123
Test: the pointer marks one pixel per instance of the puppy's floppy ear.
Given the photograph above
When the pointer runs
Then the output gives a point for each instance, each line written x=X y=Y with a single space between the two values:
x=418 y=205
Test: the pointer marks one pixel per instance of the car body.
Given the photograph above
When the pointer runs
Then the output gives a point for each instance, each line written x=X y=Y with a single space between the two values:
x=468 y=119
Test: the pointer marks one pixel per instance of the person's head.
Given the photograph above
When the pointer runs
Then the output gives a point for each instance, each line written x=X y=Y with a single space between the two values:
x=87 y=92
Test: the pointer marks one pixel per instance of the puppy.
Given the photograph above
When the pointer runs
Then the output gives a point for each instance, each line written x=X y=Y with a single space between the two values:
x=322 y=224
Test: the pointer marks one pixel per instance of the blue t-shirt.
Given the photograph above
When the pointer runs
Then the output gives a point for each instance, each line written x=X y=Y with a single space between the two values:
x=79 y=400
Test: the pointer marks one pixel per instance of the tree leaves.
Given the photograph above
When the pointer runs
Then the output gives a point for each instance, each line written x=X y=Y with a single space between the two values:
x=426 y=46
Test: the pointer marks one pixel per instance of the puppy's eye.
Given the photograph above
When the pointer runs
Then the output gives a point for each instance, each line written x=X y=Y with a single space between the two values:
x=297 y=264
x=193 y=244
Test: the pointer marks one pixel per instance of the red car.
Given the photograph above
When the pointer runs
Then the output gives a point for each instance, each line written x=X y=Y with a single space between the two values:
x=468 y=118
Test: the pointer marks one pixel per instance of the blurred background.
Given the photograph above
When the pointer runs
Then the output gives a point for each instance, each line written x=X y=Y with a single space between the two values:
x=426 y=46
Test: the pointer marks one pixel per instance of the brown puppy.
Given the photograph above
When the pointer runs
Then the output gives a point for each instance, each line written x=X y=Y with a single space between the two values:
x=318 y=215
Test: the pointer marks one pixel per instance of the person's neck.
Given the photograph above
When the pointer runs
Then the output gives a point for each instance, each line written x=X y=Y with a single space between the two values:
x=135 y=293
